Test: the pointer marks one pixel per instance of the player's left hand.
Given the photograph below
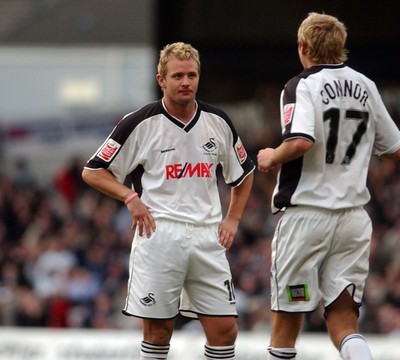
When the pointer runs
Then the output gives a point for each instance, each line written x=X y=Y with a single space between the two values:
x=141 y=217
x=227 y=230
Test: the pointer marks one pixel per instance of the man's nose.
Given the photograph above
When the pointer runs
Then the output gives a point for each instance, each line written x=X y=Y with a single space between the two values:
x=185 y=80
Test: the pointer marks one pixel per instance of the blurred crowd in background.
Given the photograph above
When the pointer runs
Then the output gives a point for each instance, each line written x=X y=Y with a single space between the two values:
x=64 y=247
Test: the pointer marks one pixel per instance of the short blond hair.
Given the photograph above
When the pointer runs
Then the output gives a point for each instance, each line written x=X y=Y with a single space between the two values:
x=181 y=51
x=324 y=38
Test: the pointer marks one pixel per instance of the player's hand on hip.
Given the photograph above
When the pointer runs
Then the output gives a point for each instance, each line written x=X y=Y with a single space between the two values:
x=141 y=217
x=264 y=160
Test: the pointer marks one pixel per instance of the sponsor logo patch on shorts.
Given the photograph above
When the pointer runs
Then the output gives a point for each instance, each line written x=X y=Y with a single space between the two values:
x=298 y=292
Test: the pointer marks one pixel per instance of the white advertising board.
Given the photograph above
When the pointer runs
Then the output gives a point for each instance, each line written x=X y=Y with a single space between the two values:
x=54 y=344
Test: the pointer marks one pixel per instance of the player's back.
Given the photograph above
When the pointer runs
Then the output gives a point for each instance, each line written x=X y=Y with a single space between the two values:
x=339 y=109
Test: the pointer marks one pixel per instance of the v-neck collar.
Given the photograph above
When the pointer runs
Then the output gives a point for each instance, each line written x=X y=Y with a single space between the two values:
x=186 y=127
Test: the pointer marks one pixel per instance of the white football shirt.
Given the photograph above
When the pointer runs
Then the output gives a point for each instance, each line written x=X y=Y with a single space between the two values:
x=174 y=165
x=341 y=111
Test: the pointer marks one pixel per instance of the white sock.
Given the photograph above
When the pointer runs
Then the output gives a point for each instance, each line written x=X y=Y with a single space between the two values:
x=281 y=353
x=153 y=352
x=354 y=347
x=219 y=352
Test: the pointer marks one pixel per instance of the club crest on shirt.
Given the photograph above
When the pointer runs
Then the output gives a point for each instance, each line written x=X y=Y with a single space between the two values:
x=108 y=150
x=210 y=146
x=287 y=113
x=240 y=151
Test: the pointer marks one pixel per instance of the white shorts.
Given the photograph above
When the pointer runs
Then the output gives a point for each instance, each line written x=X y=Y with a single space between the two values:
x=181 y=267
x=316 y=255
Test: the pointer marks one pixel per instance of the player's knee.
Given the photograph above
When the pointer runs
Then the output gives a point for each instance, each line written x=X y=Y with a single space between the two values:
x=159 y=338
x=158 y=332
x=225 y=334
x=341 y=320
x=231 y=333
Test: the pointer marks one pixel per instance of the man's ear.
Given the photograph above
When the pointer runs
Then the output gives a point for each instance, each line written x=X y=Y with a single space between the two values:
x=302 y=48
x=160 y=81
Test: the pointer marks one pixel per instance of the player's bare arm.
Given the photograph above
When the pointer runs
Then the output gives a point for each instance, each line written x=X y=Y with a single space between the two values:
x=228 y=227
x=103 y=181
x=289 y=150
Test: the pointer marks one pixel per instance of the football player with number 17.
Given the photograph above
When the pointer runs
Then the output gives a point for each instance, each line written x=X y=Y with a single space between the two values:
x=170 y=150
x=333 y=120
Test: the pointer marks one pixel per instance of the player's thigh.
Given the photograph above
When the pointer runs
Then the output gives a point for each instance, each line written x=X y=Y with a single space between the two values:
x=157 y=272
x=208 y=287
x=300 y=244
x=348 y=263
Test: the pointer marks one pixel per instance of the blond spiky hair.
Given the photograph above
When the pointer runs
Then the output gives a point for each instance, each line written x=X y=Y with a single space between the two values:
x=181 y=51
x=324 y=38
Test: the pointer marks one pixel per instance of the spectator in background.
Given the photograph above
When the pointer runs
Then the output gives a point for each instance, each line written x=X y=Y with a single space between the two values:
x=23 y=177
x=50 y=272
x=30 y=308
x=68 y=182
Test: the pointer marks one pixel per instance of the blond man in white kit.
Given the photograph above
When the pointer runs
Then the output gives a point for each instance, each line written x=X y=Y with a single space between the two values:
x=333 y=120
x=170 y=150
